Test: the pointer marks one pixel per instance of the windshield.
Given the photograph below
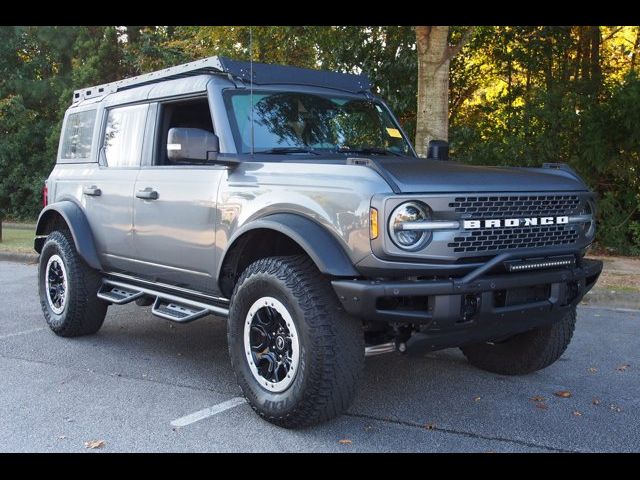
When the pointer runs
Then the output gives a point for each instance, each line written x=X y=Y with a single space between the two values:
x=295 y=122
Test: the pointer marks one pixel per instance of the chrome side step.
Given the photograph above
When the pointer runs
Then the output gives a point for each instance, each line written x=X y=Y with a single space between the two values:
x=168 y=306
x=118 y=295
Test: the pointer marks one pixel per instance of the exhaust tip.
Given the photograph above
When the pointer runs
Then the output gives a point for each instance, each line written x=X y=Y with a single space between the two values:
x=379 y=349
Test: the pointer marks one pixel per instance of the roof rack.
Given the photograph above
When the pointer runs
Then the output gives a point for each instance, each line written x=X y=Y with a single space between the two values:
x=263 y=74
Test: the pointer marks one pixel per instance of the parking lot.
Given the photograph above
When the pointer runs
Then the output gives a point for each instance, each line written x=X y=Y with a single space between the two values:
x=140 y=376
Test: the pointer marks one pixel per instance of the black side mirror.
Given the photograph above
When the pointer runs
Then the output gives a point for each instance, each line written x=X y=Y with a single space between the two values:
x=192 y=144
x=438 y=150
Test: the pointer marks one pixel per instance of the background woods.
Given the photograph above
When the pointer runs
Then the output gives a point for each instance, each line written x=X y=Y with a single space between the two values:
x=513 y=95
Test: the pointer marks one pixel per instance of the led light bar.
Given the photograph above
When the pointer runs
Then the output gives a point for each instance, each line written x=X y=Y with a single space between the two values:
x=540 y=263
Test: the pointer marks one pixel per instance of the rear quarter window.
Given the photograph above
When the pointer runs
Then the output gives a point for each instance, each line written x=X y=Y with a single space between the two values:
x=77 y=136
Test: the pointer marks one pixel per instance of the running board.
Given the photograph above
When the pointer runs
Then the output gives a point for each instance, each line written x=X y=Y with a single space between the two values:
x=168 y=306
x=177 y=312
x=118 y=295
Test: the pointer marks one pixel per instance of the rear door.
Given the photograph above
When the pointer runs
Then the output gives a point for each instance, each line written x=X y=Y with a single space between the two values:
x=108 y=193
x=175 y=205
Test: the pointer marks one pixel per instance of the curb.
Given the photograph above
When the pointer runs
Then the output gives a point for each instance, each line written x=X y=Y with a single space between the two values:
x=609 y=298
x=19 y=257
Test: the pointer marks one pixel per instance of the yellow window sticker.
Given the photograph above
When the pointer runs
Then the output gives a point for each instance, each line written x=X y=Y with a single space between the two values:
x=394 y=132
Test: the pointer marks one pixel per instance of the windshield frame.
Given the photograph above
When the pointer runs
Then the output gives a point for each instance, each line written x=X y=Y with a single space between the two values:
x=228 y=93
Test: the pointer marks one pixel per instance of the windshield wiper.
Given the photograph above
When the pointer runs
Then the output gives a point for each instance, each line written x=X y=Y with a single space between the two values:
x=286 y=150
x=368 y=150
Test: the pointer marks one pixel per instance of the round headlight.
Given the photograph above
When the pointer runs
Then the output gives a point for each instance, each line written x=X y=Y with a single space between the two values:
x=406 y=213
x=589 y=228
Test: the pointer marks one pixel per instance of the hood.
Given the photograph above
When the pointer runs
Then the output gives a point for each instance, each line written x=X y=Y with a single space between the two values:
x=418 y=175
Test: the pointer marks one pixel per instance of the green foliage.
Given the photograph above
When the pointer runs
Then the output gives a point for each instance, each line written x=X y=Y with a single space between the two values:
x=35 y=67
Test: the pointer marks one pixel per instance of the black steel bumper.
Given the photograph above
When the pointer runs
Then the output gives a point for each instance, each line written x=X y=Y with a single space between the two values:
x=473 y=308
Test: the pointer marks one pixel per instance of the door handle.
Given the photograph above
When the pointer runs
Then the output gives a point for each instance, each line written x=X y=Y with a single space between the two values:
x=147 y=194
x=92 y=191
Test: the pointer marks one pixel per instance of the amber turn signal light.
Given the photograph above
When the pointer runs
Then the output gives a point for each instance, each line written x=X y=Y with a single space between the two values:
x=373 y=223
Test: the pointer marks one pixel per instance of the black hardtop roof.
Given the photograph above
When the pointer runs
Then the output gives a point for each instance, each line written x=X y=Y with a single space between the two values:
x=263 y=74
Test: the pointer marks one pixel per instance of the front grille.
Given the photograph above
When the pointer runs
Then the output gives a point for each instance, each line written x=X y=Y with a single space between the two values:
x=515 y=206
x=506 y=238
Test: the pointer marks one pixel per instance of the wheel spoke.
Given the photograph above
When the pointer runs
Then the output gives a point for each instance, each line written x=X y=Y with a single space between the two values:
x=263 y=317
x=259 y=338
x=53 y=277
x=276 y=374
x=266 y=366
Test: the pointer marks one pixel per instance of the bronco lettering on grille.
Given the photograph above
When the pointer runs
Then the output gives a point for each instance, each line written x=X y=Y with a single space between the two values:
x=515 y=222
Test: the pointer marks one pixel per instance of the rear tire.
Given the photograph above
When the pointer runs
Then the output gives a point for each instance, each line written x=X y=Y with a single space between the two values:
x=68 y=289
x=525 y=352
x=325 y=346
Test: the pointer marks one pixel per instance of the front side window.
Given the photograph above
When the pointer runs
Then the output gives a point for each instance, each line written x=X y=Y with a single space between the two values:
x=192 y=113
x=124 y=134
x=77 y=136
x=297 y=120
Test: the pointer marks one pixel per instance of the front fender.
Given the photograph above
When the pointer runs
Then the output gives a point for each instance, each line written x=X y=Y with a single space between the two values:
x=78 y=225
x=320 y=245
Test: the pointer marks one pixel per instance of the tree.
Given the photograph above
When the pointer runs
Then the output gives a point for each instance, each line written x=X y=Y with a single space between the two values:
x=434 y=57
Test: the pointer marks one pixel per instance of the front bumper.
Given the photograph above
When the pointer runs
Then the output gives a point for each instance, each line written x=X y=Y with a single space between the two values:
x=474 y=308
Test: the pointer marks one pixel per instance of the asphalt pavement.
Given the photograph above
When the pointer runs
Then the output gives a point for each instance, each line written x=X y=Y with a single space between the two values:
x=143 y=384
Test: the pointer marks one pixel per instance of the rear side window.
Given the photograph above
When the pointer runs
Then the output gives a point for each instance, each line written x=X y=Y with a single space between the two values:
x=78 y=132
x=124 y=134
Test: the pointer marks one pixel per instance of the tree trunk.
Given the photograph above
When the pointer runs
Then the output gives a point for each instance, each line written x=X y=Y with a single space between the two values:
x=596 y=70
x=433 y=86
x=509 y=97
x=585 y=40
x=133 y=34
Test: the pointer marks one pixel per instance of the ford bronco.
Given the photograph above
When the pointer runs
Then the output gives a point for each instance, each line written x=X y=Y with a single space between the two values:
x=291 y=202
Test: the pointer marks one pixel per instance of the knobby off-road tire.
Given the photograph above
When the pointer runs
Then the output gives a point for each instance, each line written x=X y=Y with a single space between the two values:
x=81 y=312
x=525 y=352
x=330 y=342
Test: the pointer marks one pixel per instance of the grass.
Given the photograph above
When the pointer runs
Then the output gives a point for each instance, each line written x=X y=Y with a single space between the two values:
x=16 y=240
x=618 y=281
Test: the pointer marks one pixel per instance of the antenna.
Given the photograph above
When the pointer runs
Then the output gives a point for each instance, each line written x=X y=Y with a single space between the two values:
x=251 y=80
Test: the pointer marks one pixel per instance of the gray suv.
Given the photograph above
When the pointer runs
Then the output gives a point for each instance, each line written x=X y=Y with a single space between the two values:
x=291 y=202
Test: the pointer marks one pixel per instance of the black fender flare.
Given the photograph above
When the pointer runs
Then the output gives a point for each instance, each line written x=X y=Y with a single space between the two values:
x=78 y=226
x=325 y=251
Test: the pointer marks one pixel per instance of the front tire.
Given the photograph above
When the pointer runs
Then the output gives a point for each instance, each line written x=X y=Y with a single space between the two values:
x=525 y=352
x=296 y=354
x=68 y=289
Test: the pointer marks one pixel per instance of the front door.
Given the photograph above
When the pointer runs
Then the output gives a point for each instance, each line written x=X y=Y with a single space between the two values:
x=109 y=191
x=175 y=206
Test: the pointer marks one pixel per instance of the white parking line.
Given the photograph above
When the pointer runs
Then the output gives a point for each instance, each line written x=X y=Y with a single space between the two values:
x=25 y=332
x=207 y=412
